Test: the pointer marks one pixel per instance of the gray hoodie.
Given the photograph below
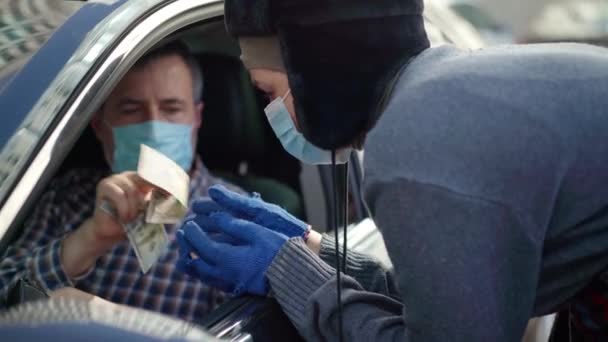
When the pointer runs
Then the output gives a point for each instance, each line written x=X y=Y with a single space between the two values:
x=488 y=177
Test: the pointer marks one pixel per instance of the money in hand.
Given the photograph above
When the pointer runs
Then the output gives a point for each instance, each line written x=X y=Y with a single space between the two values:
x=149 y=240
x=164 y=208
x=168 y=205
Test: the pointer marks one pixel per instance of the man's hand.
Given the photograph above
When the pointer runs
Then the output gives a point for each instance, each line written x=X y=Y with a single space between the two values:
x=127 y=194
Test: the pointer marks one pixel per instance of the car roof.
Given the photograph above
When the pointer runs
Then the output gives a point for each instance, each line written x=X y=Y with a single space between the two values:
x=44 y=34
x=26 y=25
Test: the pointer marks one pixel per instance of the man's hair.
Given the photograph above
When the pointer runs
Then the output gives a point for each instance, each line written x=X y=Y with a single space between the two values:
x=180 y=49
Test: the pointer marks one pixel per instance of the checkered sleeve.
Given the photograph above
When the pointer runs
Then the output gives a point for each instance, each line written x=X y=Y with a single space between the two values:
x=36 y=254
x=45 y=267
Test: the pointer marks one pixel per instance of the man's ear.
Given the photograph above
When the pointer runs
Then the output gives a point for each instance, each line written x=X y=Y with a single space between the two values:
x=198 y=114
x=97 y=125
x=103 y=134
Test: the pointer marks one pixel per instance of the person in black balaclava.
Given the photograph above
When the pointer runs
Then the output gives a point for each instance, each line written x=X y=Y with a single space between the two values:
x=486 y=172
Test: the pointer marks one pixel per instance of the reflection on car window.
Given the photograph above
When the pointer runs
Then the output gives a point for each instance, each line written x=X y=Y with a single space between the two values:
x=4 y=80
x=25 y=26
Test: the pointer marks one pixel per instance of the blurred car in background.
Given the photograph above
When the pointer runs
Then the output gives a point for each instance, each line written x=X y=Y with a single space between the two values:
x=584 y=21
x=443 y=25
x=491 y=30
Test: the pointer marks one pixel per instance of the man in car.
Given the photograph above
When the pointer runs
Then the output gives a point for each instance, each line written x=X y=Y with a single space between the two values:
x=70 y=242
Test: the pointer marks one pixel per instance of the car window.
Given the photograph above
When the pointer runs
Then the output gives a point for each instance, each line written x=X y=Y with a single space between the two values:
x=25 y=26
x=96 y=46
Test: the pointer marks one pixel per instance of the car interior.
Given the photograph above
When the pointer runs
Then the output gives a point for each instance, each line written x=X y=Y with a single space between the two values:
x=235 y=141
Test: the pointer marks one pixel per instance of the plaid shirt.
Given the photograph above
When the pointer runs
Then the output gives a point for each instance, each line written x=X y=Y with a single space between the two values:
x=116 y=276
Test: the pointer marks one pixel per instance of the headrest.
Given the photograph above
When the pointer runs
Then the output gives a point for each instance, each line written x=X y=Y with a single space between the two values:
x=232 y=118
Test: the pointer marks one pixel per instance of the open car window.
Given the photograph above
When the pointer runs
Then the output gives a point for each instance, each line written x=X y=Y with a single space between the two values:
x=102 y=48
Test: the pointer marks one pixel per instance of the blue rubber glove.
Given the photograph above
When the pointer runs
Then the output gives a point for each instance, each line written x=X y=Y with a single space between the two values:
x=185 y=260
x=233 y=254
x=253 y=209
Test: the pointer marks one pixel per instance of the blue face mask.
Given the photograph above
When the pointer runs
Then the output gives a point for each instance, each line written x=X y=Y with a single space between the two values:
x=293 y=141
x=172 y=140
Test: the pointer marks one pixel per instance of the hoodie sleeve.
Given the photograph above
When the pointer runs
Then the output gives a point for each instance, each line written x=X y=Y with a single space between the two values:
x=367 y=270
x=454 y=270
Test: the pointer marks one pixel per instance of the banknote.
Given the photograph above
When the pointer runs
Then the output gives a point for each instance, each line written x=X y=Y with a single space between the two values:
x=149 y=240
x=164 y=208
x=162 y=172
x=168 y=204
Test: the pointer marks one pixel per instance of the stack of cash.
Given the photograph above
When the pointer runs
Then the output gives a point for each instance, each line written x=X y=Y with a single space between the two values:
x=168 y=205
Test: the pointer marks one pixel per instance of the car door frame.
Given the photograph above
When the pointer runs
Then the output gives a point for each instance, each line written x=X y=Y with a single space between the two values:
x=103 y=57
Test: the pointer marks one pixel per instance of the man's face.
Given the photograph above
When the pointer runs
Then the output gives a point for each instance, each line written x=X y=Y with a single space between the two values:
x=160 y=90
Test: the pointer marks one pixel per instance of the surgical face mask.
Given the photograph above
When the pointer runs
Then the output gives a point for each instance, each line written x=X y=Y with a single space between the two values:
x=293 y=141
x=172 y=140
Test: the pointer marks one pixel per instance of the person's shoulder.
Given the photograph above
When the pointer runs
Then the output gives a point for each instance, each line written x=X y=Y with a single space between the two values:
x=460 y=119
x=505 y=63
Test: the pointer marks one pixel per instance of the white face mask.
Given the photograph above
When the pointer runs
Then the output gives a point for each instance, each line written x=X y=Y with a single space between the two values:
x=293 y=141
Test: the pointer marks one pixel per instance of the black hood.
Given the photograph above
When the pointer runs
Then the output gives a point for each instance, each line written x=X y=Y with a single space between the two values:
x=340 y=56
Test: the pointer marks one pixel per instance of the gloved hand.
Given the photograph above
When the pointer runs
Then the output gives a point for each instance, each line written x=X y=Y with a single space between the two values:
x=253 y=209
x=233 y=254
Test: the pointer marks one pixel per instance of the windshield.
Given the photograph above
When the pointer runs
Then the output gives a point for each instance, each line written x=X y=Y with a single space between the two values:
x=582 y=20
x=24 y=27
